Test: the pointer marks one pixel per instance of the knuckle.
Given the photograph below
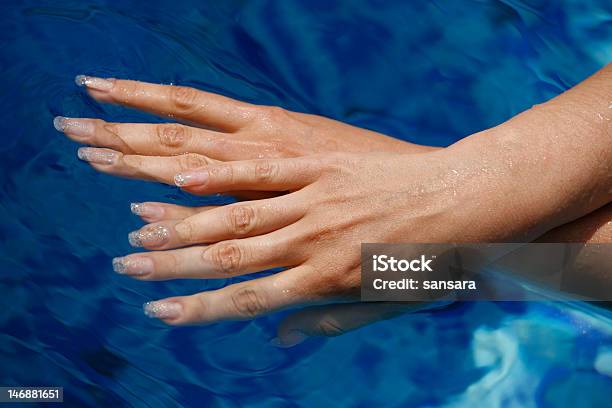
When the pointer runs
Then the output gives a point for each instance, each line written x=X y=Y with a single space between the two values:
x=329 y=327
x=106 y=127
x=183 y=98
x=134 y=161
x=190 y=161
x=273 y=113
x=185 y=231
x=265 y=170
x=174 y=264
x=249 y=302
x=223 y=172
x=100 y=123
x=172 y=135
x=241 y=219
x=324 y=232
x=274 y=120
x=228 y=258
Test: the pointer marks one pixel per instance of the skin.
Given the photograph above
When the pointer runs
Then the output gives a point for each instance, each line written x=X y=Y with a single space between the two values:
x=326 y=186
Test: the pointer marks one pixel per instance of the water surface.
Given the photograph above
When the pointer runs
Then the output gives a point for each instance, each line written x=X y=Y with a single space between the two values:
x=428 y=72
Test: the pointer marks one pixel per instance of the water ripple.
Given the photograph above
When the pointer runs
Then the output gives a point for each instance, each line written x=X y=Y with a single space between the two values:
x=429 y=72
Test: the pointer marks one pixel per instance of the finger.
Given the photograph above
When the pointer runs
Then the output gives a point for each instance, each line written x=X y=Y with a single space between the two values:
x=218 y=261
x=241 y=220
x=162 y=139
x=228 y=222
x=263 y=175
x=337 y=319
x=245 y=300
x=155 y=212
x=180 y=102
x=152 y=168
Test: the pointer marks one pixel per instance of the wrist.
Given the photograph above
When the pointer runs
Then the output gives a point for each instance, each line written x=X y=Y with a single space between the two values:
x=455 y=198
x=497 y=193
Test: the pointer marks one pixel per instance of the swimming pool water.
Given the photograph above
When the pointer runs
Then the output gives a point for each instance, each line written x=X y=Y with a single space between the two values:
x=430 y=72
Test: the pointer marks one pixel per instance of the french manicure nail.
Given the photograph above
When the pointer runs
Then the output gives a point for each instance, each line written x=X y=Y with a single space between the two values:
x=151 y=236
x=133 y=265
x=99 y=84
x=76 y=127
x=163 y=310
x=59 y=123
x=149 y=211
x=191 y=178
x=293 y=338
x=99 y=156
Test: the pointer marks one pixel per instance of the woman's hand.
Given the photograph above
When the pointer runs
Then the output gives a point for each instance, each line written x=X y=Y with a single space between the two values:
x=337 y=202
x=510 y=183
x=222 y=129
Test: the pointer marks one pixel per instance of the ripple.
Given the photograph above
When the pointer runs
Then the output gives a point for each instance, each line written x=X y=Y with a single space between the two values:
x=422 y=71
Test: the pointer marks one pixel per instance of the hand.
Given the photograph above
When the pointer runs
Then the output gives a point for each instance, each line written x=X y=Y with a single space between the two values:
x=157 y=151
x=434 y=203
x=337 y=201
x=241 y=131
x=314 y=231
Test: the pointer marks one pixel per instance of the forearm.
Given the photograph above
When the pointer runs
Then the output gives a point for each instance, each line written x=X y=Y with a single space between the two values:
x=545 y=167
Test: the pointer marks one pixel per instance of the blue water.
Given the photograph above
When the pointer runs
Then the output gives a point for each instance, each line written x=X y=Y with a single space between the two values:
x=429 y=72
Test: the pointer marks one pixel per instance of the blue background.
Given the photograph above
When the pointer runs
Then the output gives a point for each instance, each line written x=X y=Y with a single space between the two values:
x=429 y=72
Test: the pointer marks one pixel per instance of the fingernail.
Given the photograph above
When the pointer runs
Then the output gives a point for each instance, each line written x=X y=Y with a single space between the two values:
x=151 y=236
x=59 y=123
x=151 y=212
x=163 y=310
x=191 y=178
x=76 y=127
x=133 y=265
x=99 y=84
x=290 y=339
x=99 y=156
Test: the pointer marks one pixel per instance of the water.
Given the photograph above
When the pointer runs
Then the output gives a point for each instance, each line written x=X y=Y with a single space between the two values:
x=429 y=72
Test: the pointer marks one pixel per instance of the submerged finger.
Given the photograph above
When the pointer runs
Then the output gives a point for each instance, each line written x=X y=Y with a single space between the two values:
x=263 y=175
x=152 y=168
x=180 y=102
x=219 y=261
x=240 y=220
x=154 y=211
x=245 y=300
x=162 y=139
x=228 y=222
